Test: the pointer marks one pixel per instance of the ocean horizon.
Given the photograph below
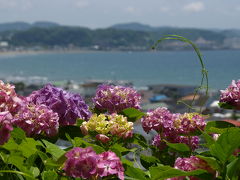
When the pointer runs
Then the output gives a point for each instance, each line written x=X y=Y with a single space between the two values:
x=140 y=68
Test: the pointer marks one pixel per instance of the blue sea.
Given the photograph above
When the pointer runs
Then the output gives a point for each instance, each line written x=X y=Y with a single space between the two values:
x=141 y=68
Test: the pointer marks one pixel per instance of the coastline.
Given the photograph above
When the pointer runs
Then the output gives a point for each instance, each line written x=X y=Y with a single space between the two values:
x=36 y=52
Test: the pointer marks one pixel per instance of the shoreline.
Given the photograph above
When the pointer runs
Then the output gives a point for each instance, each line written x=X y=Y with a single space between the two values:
x=62 y=51
x=36 y=52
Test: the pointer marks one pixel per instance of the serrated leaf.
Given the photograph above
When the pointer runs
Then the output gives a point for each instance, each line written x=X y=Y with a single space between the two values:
x=164 y=172
x=233 y=169
x=53 y=149
x=132 y=114
x=136 y=173
x=148 y=161
x=226 y=144
x=181 y=147
x=218 y=126
x=18 y=135
x=211 y=161
x=49 y=175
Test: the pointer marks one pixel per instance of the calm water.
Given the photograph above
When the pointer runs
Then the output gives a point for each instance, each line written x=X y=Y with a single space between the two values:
x=142 y=68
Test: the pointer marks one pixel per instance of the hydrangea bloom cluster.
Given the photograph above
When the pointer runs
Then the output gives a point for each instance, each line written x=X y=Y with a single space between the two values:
x=119 y=126
x=231 y=95
x=85 y=163
x=105 y=125
x=37 y=119
x=190 y=164
x=159 y=120
x=69 y=106
x=189 y=122
x=171 y=127
x=9 y=101
x=116 y=98
x=5 y=126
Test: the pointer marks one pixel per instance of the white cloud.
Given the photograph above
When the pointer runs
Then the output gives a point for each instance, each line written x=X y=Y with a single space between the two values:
x=82 y=3
x=194 y=7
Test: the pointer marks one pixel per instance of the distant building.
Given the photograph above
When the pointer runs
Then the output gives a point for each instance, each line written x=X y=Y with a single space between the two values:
x=3 y=44
x=172 y=90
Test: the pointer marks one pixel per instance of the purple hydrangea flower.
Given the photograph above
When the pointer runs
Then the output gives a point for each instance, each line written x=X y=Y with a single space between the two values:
x=116 y=98
x=190 y=164
x=159 y=119
x=110 y=164
x=81 y=162
x=37 y=119
x=5 y=126
x=231 y=95
x=69 y=106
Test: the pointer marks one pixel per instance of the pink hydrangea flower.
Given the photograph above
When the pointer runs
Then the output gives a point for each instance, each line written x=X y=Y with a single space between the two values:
x=9 y=101
x=37 y=119
x=81 y=162
x=189 y=123
x=5 y=126
x=159 y=120
x=231 y=95
x=190 y=164
x=110 y=164
x=85 y=163
x=116 y=98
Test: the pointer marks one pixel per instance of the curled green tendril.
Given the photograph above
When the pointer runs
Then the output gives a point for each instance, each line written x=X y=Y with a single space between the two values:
x=204 y=71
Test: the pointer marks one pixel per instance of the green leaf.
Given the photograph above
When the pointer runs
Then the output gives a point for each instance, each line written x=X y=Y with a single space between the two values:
x=148 y=161
x=233 y=169
x=212 y=162
x=218 y=126
x=28 y=147
x=209 y=140
x=132 y=114
x=163 y=172
x=49 y=175
x=35 y=171
x=225 y=105
x=139 y=139
x=72 y=131
x=181 y=147
x=53 y=149
x=126 y=162
x=226 y=144
x=120 y=150
x=18 y=135
x=135 y=173
x=79 y=142
x=79 y=122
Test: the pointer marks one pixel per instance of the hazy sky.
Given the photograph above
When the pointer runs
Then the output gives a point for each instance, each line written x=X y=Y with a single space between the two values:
x=222 y=14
